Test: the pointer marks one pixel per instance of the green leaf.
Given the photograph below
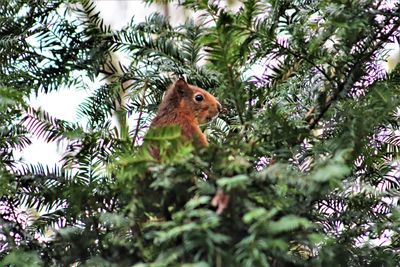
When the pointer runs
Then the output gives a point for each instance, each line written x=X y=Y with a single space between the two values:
x=235 y=182
x=20 y=258
x=288 y=223
x=163 y=133
x=259 y=214
x=331 y=171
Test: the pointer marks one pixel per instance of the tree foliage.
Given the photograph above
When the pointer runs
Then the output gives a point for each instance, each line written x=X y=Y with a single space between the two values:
x=306 y=152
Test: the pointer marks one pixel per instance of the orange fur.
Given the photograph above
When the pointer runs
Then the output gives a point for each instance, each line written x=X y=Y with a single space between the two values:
x=182 y=106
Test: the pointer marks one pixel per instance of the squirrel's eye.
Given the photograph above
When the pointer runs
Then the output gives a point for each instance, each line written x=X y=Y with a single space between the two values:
x=199 y=98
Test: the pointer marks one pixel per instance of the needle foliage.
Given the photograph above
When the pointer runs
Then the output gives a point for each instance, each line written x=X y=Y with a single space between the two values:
x=302 y=167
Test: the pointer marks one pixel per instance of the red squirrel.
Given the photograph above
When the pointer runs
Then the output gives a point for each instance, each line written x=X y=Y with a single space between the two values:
x=187 y=106
x=190 y=106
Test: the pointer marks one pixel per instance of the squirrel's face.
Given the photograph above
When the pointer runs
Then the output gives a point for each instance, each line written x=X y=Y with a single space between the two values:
x=202 y=104
x=205 y=106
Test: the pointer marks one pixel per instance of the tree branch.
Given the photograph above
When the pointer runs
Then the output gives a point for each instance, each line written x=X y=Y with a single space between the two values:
x=346 y=84
x=146 y=85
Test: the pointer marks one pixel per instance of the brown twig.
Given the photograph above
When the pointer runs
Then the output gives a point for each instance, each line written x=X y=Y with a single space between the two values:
x=146 y=85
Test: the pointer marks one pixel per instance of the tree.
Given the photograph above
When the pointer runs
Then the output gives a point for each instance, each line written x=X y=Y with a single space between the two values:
x=306 y=152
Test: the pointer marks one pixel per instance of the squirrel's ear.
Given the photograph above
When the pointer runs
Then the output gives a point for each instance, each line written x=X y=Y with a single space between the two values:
x=181 y=86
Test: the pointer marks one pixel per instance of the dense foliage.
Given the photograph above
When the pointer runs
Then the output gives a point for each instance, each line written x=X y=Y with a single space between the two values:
x=301 y=167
